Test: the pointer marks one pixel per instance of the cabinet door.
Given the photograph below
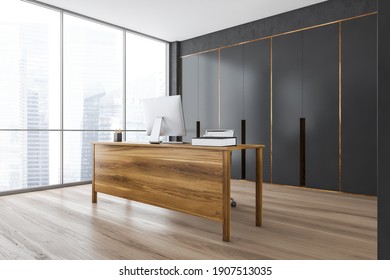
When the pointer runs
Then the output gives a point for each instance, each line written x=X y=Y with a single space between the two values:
x=232 y=98
x=320 y=106
x=359 y=103
x=257 y=104
x=190 y=95
x=208 y=91
x=287 y=108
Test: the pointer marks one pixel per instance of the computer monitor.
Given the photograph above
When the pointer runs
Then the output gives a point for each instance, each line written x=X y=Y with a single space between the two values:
x=163 y=117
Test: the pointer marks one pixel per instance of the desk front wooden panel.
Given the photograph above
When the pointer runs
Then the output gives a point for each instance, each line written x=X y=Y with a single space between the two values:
x=181 y=179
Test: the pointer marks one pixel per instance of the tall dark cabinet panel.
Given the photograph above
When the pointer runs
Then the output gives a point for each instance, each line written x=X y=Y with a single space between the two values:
x=287 y=108
x=220 y=88
x=208 y=91
x=232 y=98
x=359 y=103
x=190 y=95
x=320 y=106
x=257 y=104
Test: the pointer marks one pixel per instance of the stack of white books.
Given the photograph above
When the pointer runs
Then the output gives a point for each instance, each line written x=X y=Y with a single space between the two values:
x=219 y=133
x=216 y=137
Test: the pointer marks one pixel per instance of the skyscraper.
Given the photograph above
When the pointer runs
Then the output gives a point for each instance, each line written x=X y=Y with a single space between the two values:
x=93 y=94
x=33 y=91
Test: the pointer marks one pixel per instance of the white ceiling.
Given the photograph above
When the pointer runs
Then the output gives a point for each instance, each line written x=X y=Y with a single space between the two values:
x=177 y=20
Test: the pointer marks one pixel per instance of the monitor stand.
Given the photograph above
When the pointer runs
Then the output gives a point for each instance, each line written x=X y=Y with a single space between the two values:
x=155 y=134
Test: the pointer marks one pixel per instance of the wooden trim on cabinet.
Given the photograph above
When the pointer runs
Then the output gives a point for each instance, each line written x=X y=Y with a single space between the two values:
x=340 y=107
x=271 y=104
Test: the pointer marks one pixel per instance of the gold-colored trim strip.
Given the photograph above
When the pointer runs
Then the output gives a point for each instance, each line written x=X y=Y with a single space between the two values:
x=271 y=111
x=281 y=34
x=340 y=107
x=219 y=88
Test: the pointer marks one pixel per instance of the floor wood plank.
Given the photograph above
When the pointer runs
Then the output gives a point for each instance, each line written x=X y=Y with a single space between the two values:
x=298 y=223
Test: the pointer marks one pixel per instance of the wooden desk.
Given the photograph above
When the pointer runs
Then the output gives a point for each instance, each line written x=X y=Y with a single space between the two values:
x=190 y=179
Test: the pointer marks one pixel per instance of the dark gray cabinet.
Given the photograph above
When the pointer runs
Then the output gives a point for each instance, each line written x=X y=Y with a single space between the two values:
x=320 y=106
x=359 y=103
x=190 y=95
x=221 y=88
x=287 y=108
x=257 y=114
x=208 y=91
x=231 y=98
x=200 y=92
x=305 y=86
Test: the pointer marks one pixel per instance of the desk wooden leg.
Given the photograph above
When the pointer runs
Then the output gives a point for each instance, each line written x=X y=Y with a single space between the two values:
x=226 y=196
x=94 y=196
x=259 y=187
x=94 y=193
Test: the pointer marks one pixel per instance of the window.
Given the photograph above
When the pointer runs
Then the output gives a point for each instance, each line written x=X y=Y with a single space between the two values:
x=77 y=153
x=145 y=76
x=93 y=91
x=46 y=129
x=30 y=66
x=93 y=75
x=30 y=96
x=29 y=159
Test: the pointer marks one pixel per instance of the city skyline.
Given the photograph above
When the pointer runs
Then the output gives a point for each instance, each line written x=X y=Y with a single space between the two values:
x=30 y=110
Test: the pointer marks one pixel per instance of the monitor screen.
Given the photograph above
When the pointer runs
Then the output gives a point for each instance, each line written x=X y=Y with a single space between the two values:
x=164 y=114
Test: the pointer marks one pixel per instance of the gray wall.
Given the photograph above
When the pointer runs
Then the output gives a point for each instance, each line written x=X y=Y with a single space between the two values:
x=174 y=68
x=313 y=15
x=384 y=132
